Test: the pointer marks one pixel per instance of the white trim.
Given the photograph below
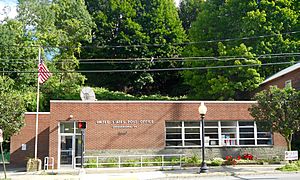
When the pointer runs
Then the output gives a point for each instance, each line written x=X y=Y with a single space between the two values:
x=282 y=72
x=155 y=102
x=59 y=146
x=233 y=130
x=33 y=113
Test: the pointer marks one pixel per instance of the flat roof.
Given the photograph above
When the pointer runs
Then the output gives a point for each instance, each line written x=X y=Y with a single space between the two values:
x=32 y=113
x=160 y=102
x=282 y=72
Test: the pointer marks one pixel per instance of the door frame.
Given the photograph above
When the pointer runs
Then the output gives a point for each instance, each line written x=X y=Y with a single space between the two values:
x=73 y=135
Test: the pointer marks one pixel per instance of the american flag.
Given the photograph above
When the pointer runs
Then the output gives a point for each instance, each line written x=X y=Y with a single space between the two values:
x=44 y=73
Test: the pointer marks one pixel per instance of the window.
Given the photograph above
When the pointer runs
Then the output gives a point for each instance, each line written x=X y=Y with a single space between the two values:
x=288 y=83
x=183 y=133
x=217 y=133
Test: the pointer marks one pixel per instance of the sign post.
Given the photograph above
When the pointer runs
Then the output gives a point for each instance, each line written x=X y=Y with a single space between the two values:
x=3 y=162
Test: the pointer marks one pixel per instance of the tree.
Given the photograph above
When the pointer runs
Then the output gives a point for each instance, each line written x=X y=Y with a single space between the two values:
x=16 y=53
x=59 y=27
x=122 y=24
x=278 y=110
x=12 y=108
x=188 y=12
x=234 y=20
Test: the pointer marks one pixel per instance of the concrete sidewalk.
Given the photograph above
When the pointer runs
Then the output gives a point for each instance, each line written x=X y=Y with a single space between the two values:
x=141 y=173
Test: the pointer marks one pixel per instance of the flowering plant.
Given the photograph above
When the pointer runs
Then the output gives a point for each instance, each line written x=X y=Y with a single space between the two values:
x=248 y=156
x=230 y=160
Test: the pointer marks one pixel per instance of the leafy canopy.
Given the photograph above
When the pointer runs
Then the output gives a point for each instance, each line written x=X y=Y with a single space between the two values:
x=235 y=20
x=12 y=108
x=125 y=23
x=278 y=110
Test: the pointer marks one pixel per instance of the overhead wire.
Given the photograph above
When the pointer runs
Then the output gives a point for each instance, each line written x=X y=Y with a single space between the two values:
x=163 y=59
x=157 y=45
x=161 y=69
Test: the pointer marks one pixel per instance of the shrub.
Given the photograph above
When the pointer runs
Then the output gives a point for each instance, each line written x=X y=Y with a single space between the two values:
x=91 y=163
x=131 y=163
x=230 y=160
x=294 y=166
x=192 y=161
x=217 y=162
x=112 y=161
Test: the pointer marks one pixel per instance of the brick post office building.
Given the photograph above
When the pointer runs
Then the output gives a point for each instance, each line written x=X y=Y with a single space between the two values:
x=143 y=127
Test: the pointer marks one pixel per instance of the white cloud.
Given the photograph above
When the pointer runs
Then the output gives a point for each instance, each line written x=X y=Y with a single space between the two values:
x=177 y=2
x=8 y=8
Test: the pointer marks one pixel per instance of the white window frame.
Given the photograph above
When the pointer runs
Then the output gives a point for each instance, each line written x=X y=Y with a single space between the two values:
x=288 y=83
x=231 y=131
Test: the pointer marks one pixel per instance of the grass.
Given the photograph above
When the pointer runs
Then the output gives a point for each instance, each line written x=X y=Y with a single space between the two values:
x=294 y=166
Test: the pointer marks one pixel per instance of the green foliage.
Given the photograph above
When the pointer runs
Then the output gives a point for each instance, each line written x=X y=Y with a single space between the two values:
x=12 y=108
x=188 y=12
x=59 y=26
x=192 y=161
x=131 y=163
x=13 y=56
x=105 y=94
x=278 y=110
x=294 y=166
x=217 y=162
x=129 y=23
x=112 y=163
x=6 y=155
x=237 y=19
x=91 y=163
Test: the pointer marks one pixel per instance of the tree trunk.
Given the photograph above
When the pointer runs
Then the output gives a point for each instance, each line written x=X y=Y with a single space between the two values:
x=288 y=140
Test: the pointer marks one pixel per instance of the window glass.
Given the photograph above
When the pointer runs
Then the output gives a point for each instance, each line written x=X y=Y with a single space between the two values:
x=247 y=142
x=211 y=130
x=247 y=130
x=264 y=135
x=211 y=123
x=173 y=124
x=173 y=136
x=264 y=142
x=173 y=143
x=288 y=83
x=192 y=123
x=223 y=135
x=246 y=135
x=192 y=130
x=228 y=123
x=67 y=127
x=193 y=143
x=173 y=130
x=192 y=136
x=246 y=123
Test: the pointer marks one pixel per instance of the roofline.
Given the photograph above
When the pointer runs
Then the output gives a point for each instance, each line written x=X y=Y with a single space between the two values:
x=282 y=73
x=33 y=113
x=152 y=101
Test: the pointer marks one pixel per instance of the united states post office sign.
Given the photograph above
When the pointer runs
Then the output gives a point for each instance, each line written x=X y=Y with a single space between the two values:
x=291 y=155
x=124 y=124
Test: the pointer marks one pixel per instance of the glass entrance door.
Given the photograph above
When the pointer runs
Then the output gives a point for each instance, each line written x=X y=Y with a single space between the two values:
x=66 y=152
x=70 y=143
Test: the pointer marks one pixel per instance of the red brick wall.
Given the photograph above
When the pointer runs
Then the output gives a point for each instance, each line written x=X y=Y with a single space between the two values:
x=280 y=81
x=105 y=136
x=144 y=136
x=26 y=136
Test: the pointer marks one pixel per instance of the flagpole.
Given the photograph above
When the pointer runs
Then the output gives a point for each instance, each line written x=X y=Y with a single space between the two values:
x=37 y=110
